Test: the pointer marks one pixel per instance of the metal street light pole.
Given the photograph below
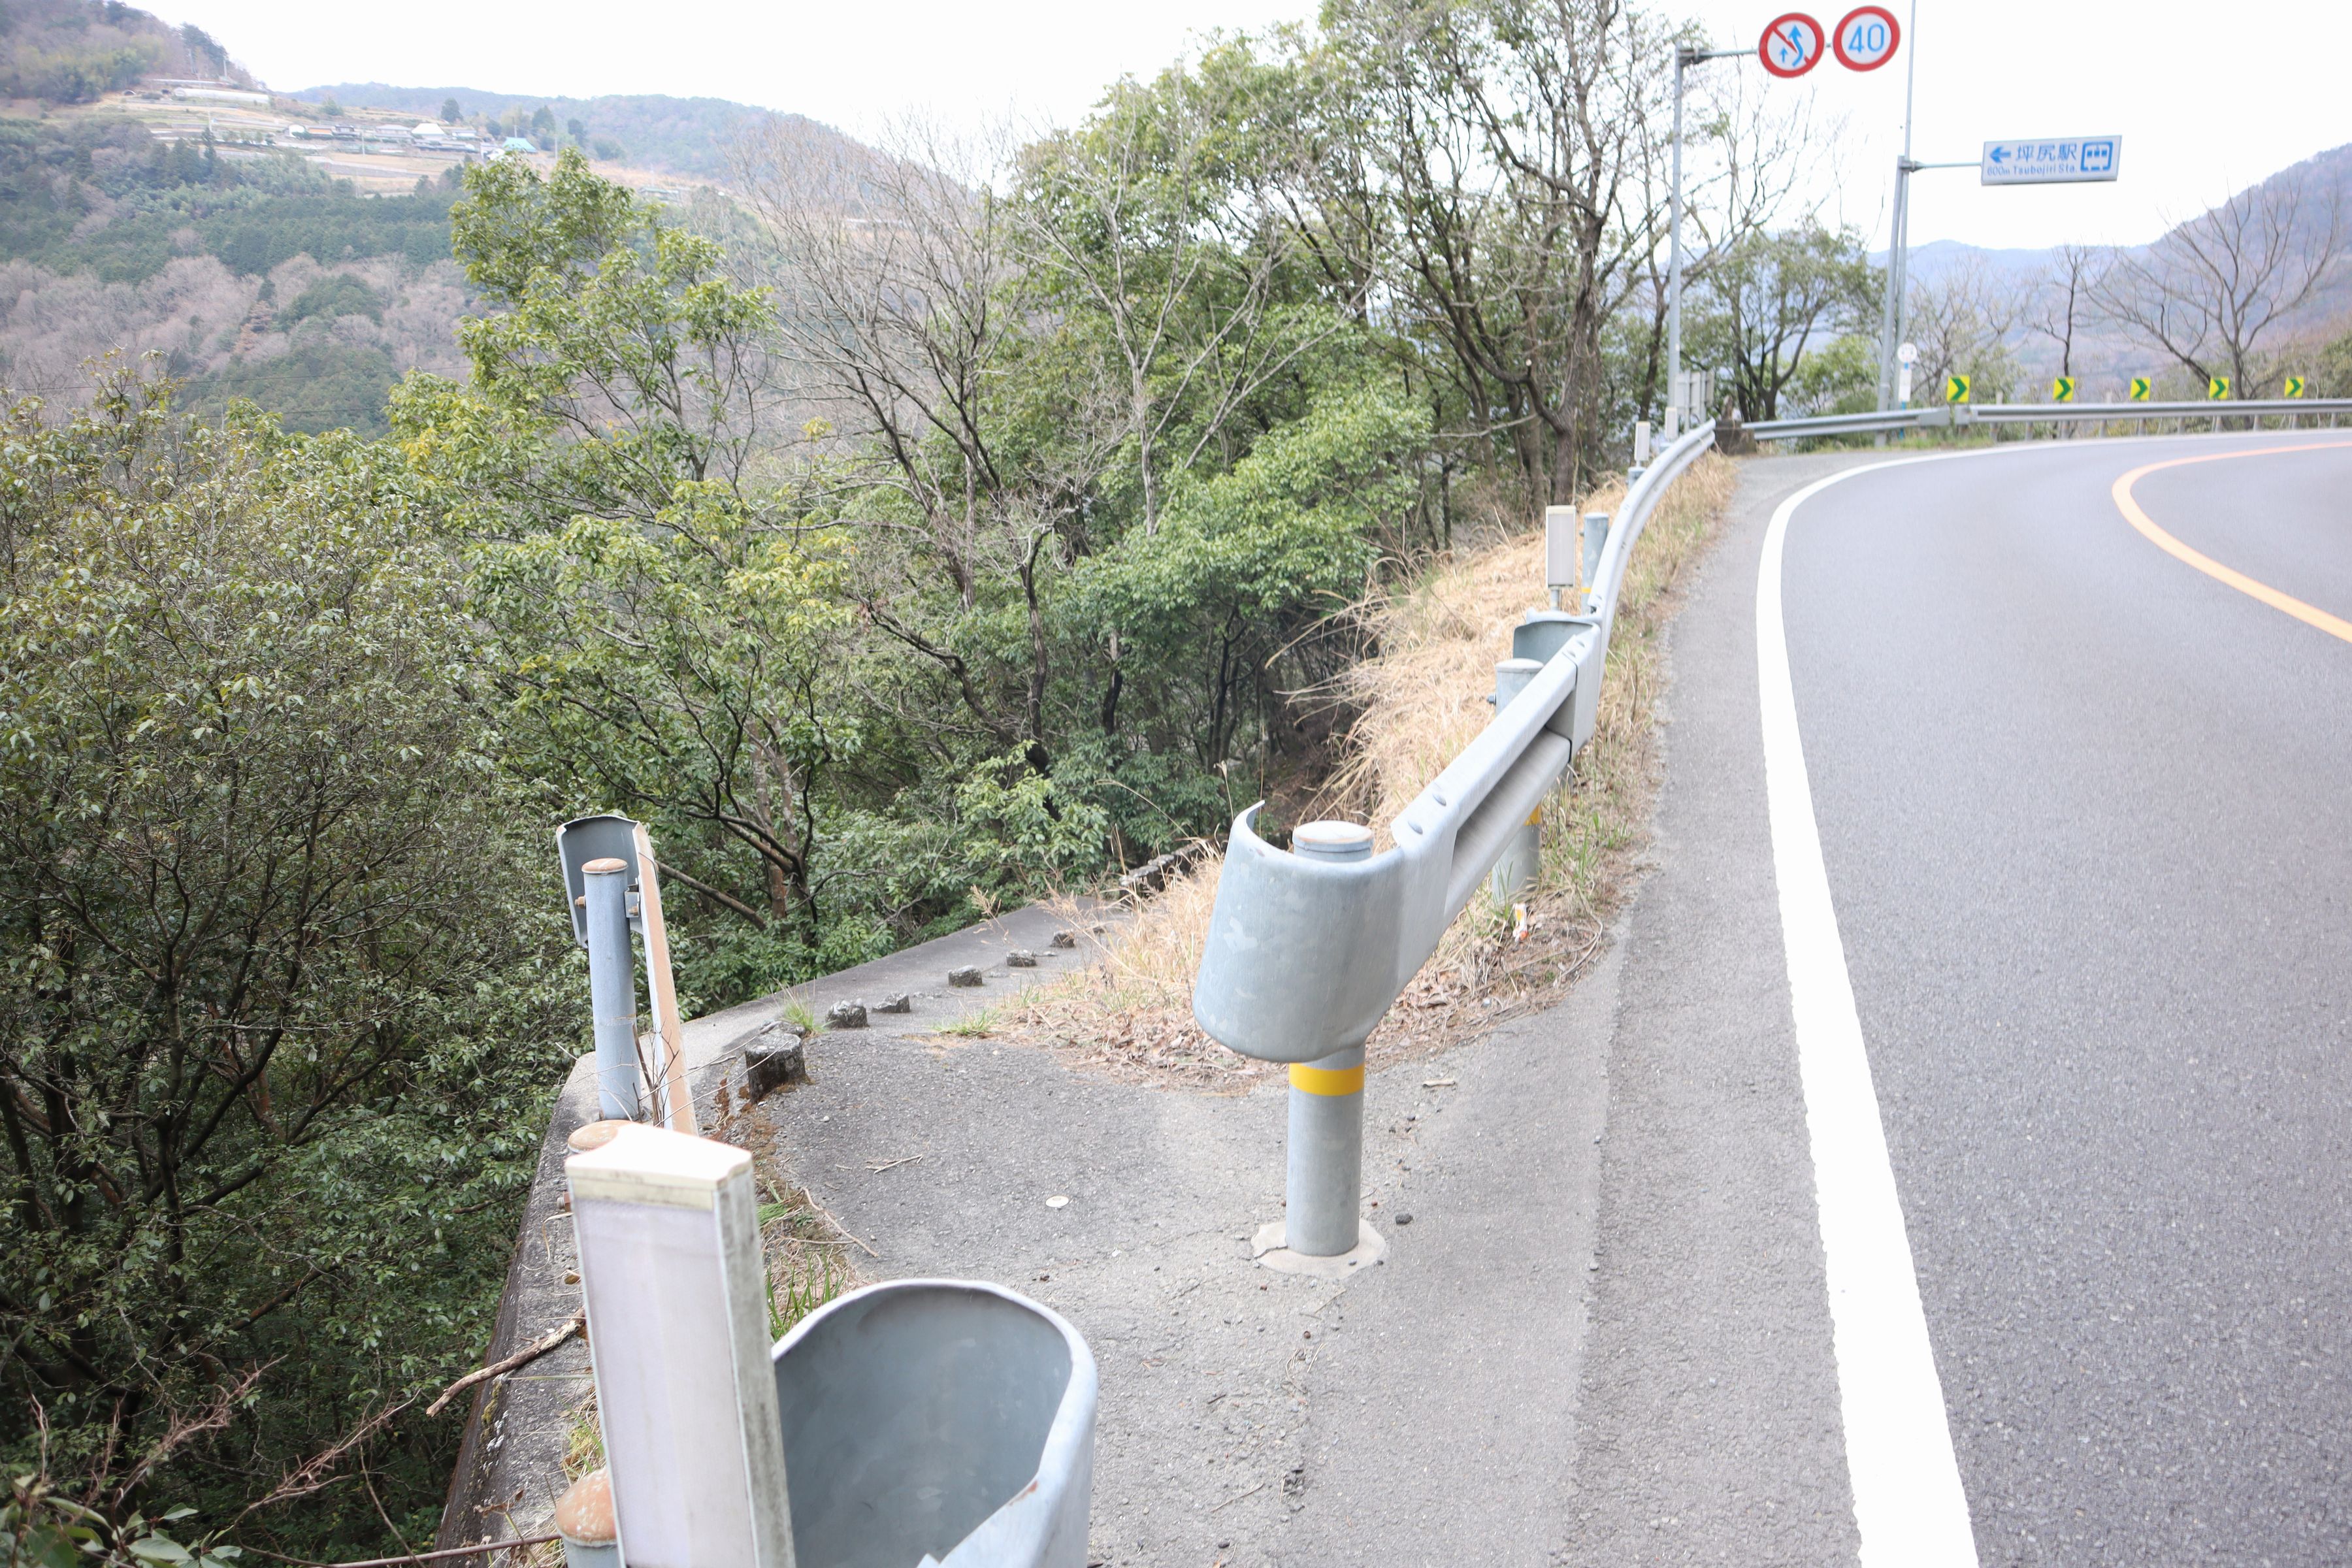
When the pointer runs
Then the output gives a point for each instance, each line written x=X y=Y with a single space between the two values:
x=1685 y=57
x=1898 y=232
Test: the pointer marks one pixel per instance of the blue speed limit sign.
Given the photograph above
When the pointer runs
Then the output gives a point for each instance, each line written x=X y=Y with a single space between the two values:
x=1791 y=45
x=1866 y=39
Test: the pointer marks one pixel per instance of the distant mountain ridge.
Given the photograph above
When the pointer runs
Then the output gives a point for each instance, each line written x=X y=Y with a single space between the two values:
x=2324 y=175
x=687 y=136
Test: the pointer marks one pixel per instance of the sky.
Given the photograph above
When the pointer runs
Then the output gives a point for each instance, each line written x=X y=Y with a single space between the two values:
x=2205 y=100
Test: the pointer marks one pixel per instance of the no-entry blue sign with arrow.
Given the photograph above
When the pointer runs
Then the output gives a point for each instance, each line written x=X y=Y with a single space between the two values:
x=2052 y=160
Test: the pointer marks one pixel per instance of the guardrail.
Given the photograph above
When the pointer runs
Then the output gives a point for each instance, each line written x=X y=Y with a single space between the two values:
x=1961 y=414
x=1306 y=949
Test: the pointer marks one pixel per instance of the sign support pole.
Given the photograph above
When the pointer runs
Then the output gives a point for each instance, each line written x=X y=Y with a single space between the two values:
x=1684 y=57
x=1898 y=233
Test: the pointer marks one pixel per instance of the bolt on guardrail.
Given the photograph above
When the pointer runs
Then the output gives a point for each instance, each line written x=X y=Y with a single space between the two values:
x=1306 y=949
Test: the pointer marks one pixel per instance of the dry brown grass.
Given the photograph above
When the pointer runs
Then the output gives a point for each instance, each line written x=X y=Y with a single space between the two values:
x=1420 y=701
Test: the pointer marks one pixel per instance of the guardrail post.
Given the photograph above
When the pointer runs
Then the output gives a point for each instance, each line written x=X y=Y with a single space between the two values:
x=612 y=984
x=1596 y=535
x=1515 y=873
x=1326 y=1181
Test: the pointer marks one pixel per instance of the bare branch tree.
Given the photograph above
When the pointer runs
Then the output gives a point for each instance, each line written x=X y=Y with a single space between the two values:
x=1133 y=215
x=1516 y=140
x=1960 y=324
x=2062 y=295
x=2208 y=292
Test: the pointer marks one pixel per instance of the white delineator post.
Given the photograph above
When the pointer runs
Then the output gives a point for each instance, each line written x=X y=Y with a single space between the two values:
x=1563 y=554
x=676 y=1291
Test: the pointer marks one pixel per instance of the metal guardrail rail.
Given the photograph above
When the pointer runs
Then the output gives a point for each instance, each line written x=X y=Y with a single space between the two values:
x=1961 y=414
x=1306 y=951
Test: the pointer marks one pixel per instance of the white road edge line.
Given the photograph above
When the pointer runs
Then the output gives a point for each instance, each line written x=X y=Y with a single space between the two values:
x=1908 y=1505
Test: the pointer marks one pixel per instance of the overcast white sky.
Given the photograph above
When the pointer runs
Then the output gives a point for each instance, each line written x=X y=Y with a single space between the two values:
x=2206 y=98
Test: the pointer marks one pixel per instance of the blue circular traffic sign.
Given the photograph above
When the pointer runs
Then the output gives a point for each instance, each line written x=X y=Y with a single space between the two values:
x=1791 y=45
x=1867 y=38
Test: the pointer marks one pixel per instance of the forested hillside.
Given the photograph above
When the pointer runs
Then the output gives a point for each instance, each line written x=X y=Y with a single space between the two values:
x=688 y=136
x=250 y=273
x=70 y=51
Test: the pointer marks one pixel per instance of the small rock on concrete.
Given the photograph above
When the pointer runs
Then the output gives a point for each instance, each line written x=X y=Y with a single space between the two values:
x=898 y=1001
x=846 y=1015
x=967 y=975
x=1020 y=958
x=1066 y=939
x=774 y=1058
x=1404 y=1219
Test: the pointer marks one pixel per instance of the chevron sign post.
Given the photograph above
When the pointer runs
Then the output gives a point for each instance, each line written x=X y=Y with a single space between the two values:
x=2217 y=388
x=2293 y=386
x=1956 y=389
x=2141 y=386
x=2062 y=390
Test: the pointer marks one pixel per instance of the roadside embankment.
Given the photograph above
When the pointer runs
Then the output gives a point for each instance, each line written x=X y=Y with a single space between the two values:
x=1418 y=700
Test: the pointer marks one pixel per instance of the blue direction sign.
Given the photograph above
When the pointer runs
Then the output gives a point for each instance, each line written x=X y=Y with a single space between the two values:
x=2052 y=160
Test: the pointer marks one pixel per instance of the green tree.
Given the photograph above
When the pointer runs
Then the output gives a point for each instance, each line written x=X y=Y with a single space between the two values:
x=1764 y=301
x=282 y=1001
x=450 y=113
x=666 y=614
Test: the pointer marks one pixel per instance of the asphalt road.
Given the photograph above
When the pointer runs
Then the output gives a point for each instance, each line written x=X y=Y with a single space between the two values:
x=2084 y=814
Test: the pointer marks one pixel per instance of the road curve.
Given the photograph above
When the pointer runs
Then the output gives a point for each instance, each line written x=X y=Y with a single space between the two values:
x=2087 y=852
x=2081 y=801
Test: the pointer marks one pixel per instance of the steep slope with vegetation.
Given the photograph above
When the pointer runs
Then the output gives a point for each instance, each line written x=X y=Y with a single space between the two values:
x=71 y=51
x=688 y=136
x=112 y=238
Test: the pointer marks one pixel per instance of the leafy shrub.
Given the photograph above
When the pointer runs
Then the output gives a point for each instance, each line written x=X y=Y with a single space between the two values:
x=283 y=1000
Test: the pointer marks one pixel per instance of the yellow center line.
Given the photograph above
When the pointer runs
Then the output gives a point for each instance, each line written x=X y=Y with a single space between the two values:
x=2310 y=615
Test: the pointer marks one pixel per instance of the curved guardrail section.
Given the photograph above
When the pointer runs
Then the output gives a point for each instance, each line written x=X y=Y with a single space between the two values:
x=1303 y=954
x=1306 y=952
x=1961 y=414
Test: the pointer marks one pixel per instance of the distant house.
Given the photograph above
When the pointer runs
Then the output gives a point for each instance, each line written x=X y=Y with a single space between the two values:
x=518 y=145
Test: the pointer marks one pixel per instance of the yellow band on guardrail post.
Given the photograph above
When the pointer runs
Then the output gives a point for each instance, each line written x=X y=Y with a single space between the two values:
x=1307 y=1078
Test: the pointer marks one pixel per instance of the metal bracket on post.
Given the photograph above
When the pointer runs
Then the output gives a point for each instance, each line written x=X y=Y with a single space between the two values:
x=1596 y=538
x=1513 y=876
